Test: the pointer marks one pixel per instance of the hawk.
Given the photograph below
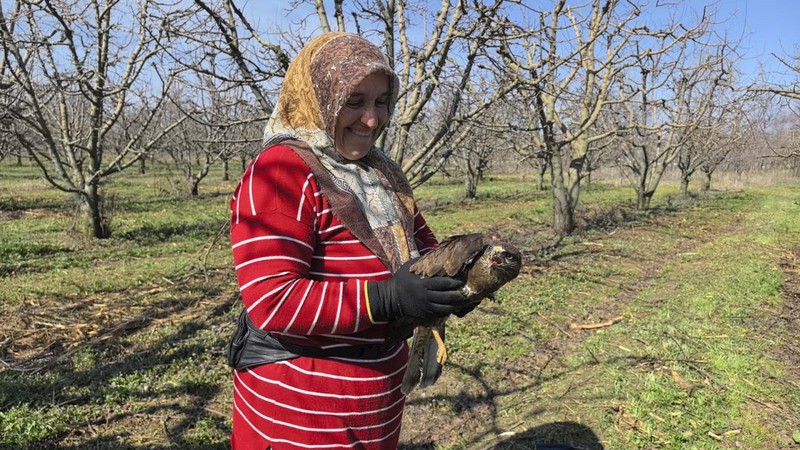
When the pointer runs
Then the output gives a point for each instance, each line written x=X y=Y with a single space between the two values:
x=485 y=263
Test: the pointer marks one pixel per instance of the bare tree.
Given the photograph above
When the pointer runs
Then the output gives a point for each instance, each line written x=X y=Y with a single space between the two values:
x=475 y=154
x=439 y=70
x=568 y=61
x=784 y=95
x=720 y=131
x=244 y=135
x=338 y=14
x=220 y=123
x=7 y=102
x=791 y=70
x=731 y=142
x=78 y=65
x=669 y=95
x=600 y=152
x=6 y=145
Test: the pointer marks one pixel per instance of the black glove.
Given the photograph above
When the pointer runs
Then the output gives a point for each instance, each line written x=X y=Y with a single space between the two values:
x=408 y=295
x=464 y=310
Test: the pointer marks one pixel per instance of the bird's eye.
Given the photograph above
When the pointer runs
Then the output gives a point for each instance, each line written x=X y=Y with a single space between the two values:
x=510 y=257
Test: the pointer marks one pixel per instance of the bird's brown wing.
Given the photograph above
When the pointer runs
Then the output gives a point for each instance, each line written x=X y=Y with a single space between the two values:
x=460 y=257
x=451 y=257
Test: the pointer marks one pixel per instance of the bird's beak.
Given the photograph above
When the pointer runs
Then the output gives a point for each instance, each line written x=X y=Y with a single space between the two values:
x=497 y=252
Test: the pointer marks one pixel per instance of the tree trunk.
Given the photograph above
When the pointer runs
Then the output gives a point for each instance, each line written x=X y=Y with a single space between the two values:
x=194 y=183
x=643 y=197
x=563 y=212
x=563 y=204
x=225 y=171
x=707 y=181
x=471 y=179
x=684 y=186
x=540 y=178
x=142 y=165
x=470 y=186
x=90 y=203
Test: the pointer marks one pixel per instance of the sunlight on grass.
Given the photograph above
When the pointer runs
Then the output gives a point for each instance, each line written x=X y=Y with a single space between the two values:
x=21 y=425
x=699 y=367
x=694 y=287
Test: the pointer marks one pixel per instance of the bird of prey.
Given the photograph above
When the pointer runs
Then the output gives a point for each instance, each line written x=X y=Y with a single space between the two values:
x=485 y=263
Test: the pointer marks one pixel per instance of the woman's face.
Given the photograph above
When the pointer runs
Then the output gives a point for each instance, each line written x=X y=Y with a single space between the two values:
x=363 y=117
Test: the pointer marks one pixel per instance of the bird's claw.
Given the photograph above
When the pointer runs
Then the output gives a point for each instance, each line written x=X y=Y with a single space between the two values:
x=441 y=353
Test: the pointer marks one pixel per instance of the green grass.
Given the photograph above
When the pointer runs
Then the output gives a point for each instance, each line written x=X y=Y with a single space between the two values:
x=119 y=343
x=714 y=292
x=690 y=366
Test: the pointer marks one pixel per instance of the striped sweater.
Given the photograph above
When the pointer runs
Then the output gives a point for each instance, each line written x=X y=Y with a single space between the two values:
x=301 y=276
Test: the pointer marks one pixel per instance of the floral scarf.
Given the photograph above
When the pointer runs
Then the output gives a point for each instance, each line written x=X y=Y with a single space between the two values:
x=317 y=84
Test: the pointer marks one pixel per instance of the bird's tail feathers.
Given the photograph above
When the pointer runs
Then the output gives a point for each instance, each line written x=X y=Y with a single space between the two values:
x=415 y=359
x=431 y=368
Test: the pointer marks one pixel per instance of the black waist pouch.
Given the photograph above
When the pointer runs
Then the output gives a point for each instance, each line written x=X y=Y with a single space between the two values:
x=250 y=347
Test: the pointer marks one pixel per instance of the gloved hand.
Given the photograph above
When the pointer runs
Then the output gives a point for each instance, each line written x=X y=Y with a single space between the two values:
x=408 y=295
x=464 y=310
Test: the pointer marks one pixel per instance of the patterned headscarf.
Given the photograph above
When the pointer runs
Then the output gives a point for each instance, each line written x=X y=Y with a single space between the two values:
x=317 y=85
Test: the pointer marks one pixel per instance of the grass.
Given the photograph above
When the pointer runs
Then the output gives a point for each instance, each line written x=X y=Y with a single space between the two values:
x=661 y=329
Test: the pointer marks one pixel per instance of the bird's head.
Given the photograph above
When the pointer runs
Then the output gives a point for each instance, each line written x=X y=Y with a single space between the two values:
x=506 y=258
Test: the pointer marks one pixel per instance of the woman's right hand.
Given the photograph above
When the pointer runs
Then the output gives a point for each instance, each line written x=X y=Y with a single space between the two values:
x=407 y=294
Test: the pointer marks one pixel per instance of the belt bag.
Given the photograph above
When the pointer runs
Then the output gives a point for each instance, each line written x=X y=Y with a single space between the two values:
x=250 y=347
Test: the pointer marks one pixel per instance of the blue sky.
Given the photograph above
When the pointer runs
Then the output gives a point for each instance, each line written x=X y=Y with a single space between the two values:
x=767 y=25
x=764 y=26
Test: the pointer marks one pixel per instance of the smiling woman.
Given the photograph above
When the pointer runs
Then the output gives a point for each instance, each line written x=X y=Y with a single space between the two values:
x=320 y=216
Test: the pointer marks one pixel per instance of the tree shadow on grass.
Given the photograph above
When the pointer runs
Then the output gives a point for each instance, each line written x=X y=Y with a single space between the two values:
x=477 y=414
x=16 y=207
x=151 y=233
x=179 y=405
x=552 y=436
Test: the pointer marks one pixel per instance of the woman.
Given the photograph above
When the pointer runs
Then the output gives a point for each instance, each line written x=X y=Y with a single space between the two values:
x=323 y=227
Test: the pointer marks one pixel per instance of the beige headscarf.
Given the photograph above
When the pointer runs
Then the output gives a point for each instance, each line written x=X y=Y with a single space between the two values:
x=317 y=84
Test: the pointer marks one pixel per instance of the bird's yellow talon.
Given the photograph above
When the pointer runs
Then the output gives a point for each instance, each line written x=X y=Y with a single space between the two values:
x=441 y=354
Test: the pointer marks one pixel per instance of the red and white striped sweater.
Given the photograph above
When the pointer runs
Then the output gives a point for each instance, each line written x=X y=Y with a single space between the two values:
x=301 y=276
